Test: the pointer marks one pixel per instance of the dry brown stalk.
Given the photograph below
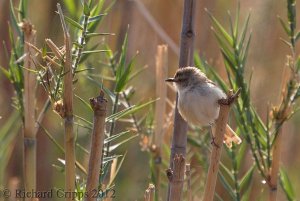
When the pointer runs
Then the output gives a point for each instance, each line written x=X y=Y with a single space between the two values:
x=156 y=27
x=54 y=48
x=68 y=110
x=98 y=105
x=29 y=109
x=160 y=108
x=188 y=179
x=176 y=178
x=179 y=139
x=150 y=193
x=290 y=85
x=221 y=123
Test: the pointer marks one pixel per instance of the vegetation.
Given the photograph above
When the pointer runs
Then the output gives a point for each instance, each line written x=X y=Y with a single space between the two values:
x=81 y=115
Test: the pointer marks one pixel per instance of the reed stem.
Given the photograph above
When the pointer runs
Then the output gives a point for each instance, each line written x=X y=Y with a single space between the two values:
x=68 y=110
x=98 y=105
x=215 y=157
x=29 y=109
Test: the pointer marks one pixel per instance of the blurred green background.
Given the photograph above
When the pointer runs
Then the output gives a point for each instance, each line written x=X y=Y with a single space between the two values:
x=267 y=57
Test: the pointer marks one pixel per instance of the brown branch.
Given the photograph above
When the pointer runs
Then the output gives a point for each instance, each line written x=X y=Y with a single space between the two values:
x=99 y=105
x=29 y=109
x=217 y=147
x=68 y=110
x=176 y=178
x=179 y=139
x=150 y=193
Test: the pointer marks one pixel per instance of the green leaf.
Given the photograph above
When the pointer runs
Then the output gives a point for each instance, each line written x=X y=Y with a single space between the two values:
x=220 y=28
x=14 y=19
x=71 y=7
x=110 y=158
x=85 y=103
x=116 y=136
x=227 y=186
x=86 y=9
x=284 y=26
x=244 y=32
x=96 y=18
x=128 y=111
x=246 y=180
x=236 y=24
x=8 y=132
x=287 y=185
x=227 y=171
x=124 y=78
x=6 y=73
x=23 y=9
x=73 y=22
x=115 y=146
x=297 y=36
x=241 y=155
x=90 y=35
x=52 y=139
x=245 y=54
x=110 y=94
x=93 y=51
x=117 y=170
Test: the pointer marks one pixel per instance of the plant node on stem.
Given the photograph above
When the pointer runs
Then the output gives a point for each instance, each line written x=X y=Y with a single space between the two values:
x=176 y=177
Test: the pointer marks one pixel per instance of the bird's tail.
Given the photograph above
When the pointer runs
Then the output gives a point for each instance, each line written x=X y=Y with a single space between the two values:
x=231 y=136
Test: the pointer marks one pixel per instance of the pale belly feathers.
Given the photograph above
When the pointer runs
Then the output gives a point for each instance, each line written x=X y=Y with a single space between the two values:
x=205 y=110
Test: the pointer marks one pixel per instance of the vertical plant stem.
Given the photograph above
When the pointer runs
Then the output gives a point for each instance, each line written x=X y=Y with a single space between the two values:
x=179 y=139
x=186 y=53
x=29 y=110
x=160 y=110
x=188 y=179
x=176 y=178
x=235 y=172
x=275 y=165
x=221 y=123
x=112 y=126
x=68 y=110
x=98 y=105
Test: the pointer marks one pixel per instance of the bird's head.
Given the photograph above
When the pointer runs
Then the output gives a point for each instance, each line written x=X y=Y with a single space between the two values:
x=187 y=77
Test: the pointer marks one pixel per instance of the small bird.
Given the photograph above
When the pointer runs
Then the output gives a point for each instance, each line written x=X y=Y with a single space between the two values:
x=198 y=99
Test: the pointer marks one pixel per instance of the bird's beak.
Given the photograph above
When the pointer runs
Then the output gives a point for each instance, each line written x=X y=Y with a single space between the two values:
x=171 y=79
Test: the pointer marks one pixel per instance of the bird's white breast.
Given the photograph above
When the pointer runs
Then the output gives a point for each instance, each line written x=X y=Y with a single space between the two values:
x=199 y=104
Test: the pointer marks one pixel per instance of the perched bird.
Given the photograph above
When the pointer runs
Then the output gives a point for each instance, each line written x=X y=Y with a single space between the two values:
x=198 y=99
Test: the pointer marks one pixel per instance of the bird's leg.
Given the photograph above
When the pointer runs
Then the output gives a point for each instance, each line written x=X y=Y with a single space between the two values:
x=212 y=137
